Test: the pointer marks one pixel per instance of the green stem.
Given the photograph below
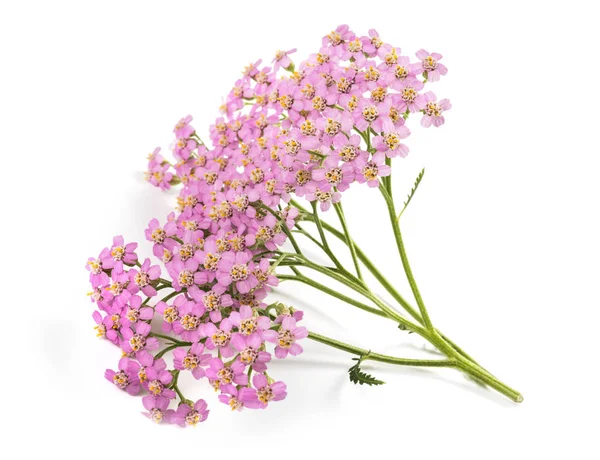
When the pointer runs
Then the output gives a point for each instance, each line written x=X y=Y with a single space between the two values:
x=326 y=247
x=171 y=339
x=161 y=353
x=388 y=161
x=378 y=356
x=368 y=264
x=379 y=277
x=169 y=296
x=332 y=292
x=457 y=357
x=176 y=388
x=473 y=369
x=308 y=235
x=455 y=360
x=349 y=242
x=404 y=258
x=349 y=300
x=366 y=293
x=164 y=281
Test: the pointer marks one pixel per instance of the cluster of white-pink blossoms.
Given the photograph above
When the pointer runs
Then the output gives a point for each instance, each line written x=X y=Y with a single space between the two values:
x=285 y=131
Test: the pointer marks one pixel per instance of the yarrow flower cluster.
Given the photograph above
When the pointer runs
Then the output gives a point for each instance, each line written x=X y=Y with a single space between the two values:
x=284 y=132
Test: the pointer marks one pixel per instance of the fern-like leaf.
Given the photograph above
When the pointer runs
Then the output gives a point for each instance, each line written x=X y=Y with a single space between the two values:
x=357 y=376
x=413 y=190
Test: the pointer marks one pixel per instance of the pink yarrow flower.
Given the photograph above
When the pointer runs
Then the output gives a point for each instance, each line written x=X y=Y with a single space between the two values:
x=219 y=337
x=286 y=337
x=226 y=375
x=135 y=312
x=186 y=415
x=190 y=317
x=429 y=63
x=249 y=351
x=266 y=392
x=282 y=59
x=156 y=407
x=193 y=360
x=157 y=378
x=142 y=279
x=238 y=399
x=126 y=378
x=389 y=140
x=138 y=340
x=234 y=268
x=432 y=113
x=119 y=252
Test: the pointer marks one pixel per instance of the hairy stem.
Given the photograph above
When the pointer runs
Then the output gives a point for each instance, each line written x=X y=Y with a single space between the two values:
x=349 y=242
x=404 y=259
x=377 y=356
x=332 y=292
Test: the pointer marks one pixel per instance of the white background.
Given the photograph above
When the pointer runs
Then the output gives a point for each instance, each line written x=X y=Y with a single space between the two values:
x=503 y=233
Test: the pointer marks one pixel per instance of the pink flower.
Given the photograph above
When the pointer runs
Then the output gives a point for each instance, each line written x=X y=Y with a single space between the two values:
x=208 y=258
x=170 y=313
x=156 y=407
x=238 y=399
x=282 y=59
x=332 y=174
x=389 y=140
x=341 y=34
x=193 y=360
x=138 y=340
x=296 y=314
x=334 y=122
x=135 y=311
x=264 y=275
x=104 y=327
x=247 y=322
x=374 y=42
x=184 y=274
x=347 y=149
x=370 y=171
x=432 y=113
x=410 y=99
x=265 y=234
x=116 y=291
x=286 y=337
x=213 y=300
x=155 y=158
x=142 y=280
x=324 y=197
x=266 y=392
x=126 y=378
x=249 y=349
x=430 y=65
x=190 y=317
x=189 y=416
x=226 y=375
x=161 y=237
x=97 y=275
x=183 y=128
x=160 y=176
x=233 y=268
x=157 y=378
x=219 y=337
x=119 y=252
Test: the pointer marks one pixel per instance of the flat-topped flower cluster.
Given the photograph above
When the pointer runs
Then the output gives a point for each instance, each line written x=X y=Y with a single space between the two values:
x=311 y=131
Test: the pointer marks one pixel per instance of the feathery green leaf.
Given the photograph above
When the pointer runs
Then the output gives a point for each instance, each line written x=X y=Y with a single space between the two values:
x=412 y=192
x=357 y=376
